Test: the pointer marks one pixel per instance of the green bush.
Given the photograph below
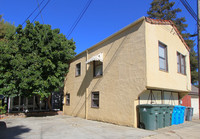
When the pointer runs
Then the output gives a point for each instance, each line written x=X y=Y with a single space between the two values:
x=2 y=108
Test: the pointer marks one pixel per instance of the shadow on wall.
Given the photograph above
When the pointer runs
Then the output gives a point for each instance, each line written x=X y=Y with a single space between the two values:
x=11 y=132
x=89 y=76
x=85 y=83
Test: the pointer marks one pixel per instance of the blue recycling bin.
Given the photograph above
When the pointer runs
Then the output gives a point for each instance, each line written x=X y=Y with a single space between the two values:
x=178 y=115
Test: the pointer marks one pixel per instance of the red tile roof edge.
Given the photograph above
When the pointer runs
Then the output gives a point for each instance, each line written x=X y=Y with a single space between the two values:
x=167 y=22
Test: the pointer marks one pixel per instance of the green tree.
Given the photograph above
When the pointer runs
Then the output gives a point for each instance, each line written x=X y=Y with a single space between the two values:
x=5 y=28
x=35 y=60
x=163 y=9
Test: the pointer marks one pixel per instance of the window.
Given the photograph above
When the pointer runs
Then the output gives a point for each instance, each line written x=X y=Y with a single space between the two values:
x=67 y=99
x=95 y=100
x=98 y=66
x=78 y=69
x=163 y=57
x=181 y=63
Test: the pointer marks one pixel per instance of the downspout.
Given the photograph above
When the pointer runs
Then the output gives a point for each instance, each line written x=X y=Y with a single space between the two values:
x=86 y=91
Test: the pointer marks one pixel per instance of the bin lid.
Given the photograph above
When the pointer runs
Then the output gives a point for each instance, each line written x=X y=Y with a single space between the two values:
x=149 y=105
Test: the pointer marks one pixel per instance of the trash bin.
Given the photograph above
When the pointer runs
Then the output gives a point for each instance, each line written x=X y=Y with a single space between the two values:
x=182 y=114
x=168 y=115
x=149 y=116
x=189 y=113
x=165 y=115
x=178 y=114
x=161 y=116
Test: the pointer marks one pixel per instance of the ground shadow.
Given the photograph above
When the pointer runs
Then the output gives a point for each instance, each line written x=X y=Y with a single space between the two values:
x=11 y=132
x=41 y=114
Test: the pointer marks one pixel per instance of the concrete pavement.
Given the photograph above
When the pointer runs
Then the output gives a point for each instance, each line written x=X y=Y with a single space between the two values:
x=66 y=127
x=188 y=130
x=63 y=127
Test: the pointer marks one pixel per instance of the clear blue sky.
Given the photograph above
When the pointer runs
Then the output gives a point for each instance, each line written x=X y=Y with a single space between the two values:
x=103 y=17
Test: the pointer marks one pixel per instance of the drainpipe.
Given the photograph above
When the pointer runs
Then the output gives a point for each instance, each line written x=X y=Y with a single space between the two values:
x=86 y=91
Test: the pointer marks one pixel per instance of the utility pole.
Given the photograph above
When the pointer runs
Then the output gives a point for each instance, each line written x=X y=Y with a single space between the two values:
x=198 y=42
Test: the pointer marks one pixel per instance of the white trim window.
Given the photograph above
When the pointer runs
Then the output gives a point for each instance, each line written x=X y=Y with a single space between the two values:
x=163 y=65
x=181 y=67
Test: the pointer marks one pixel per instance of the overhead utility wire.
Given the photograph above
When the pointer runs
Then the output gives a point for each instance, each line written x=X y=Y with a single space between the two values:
x=32 y=13
x=79 y=18
x=41 y=10
x=189 y=9
x=42 y=19
x=193 y=13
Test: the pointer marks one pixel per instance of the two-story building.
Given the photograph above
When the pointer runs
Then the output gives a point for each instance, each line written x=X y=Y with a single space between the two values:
x=145 y=62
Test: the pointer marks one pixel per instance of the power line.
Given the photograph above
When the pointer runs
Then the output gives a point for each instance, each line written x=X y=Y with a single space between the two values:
x=32 y=13
x=41 y=10
x=79 y=18
x=189 y=9
x=42 y=20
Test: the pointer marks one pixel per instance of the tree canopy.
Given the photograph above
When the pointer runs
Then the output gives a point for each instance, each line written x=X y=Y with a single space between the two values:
x=163 y=9
x=34 y=60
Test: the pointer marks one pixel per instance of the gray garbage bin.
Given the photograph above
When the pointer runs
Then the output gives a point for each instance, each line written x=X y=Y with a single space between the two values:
x=149 y=116
x=189 y=114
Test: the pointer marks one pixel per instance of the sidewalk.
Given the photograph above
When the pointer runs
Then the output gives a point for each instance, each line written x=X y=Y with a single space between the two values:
x=187 y=130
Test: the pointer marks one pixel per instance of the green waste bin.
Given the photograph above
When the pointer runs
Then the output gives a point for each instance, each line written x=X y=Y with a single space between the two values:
x=165 y=115
x=168 y=115
x=149 y=116
x=161 y=121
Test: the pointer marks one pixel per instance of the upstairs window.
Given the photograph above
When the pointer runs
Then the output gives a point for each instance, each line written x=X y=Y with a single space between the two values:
x=67 y=99
x=163 y=57
x=98 y=68
x=181 y=68
x=95 y=100
x=78 y=69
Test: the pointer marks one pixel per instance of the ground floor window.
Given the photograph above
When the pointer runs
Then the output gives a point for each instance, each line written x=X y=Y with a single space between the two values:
x=159 y=97
x=67 y=99
x=95 y=100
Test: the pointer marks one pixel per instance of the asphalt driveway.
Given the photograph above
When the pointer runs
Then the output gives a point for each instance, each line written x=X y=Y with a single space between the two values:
x=67 y=127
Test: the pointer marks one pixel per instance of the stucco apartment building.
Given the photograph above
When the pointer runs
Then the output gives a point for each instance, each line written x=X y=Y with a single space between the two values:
x=145 y=62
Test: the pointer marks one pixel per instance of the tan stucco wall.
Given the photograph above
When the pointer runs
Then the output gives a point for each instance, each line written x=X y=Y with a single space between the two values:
x=130 y=66
x=76 y=87
x=123 y=79
x=171 y=80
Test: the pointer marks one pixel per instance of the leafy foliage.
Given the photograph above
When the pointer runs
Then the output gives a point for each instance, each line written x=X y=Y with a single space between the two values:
x=2 y=108
x=163 y=9
x=34 y=60
x=5 y=29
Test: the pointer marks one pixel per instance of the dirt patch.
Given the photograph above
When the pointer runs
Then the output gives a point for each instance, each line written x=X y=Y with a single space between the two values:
x=30 y=114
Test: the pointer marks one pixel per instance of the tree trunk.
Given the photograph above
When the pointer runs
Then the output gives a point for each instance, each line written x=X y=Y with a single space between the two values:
x=49 y=103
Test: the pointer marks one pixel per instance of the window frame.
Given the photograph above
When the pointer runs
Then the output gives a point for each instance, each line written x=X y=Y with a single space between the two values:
x=160 y=44
x=95 y=64
x=94 y=99
x=78 y=70
x=180 y=56
x=67 y=98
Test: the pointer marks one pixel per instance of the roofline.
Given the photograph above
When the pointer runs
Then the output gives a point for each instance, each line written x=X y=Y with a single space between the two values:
x=149 y=20
x=167 y=22
x=113 y=35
